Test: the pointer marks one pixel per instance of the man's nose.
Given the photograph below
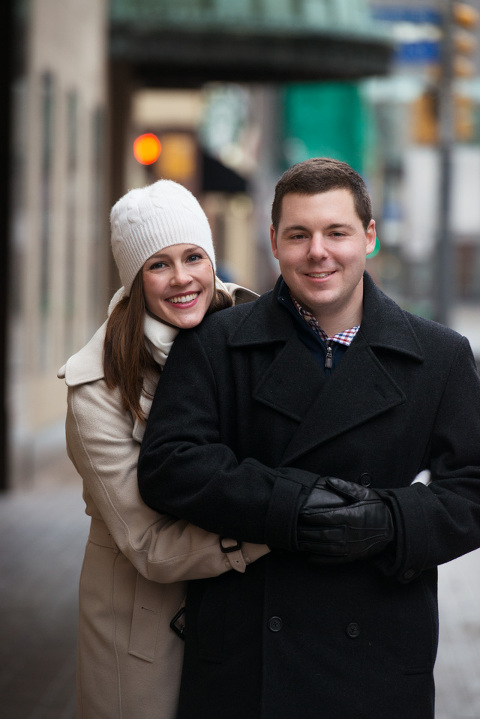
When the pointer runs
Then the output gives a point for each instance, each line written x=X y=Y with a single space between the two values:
x=317 y=247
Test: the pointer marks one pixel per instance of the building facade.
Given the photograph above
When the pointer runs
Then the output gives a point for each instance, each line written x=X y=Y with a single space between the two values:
x=58 y=248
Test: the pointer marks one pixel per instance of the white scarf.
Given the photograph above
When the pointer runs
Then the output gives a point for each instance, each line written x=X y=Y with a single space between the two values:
x=160 y=338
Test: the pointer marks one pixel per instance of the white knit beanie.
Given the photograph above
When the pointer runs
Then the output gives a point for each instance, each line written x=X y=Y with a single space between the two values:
x=148 y=219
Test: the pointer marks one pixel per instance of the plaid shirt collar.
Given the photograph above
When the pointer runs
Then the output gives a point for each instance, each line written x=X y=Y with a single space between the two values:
x=343 y=338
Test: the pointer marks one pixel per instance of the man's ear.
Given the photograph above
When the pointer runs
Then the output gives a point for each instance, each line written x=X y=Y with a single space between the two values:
x=371 y=235
x=273 y=241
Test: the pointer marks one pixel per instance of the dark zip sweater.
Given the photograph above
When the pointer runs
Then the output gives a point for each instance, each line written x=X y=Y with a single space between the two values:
x=328 y=357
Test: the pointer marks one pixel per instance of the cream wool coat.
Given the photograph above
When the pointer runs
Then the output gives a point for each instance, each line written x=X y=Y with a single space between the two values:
x=137 y=562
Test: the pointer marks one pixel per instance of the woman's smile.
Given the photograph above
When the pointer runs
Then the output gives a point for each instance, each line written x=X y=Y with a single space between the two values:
x=187 y=299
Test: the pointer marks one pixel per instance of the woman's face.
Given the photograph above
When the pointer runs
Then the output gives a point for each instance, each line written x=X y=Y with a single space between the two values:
x=178 y=283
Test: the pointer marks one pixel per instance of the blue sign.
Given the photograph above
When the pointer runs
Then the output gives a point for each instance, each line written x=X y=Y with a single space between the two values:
x=398 y=13
x=425 y=51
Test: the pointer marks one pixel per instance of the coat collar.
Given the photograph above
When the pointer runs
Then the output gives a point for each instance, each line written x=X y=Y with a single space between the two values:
x=87 y=364
x=384 y=323
x=360 y=388
x=264 y=323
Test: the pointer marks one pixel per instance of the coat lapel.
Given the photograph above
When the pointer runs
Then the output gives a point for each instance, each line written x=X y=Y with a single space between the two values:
x=295 y=384
x=358 y=390
x=325 y=407
x=293 y=379
x=284 y=386
x=361 y=387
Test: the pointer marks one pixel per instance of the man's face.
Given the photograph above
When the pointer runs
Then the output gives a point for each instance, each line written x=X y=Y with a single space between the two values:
x=321 y=246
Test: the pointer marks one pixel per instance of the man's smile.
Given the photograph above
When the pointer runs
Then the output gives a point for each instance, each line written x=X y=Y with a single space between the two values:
x=319 y=275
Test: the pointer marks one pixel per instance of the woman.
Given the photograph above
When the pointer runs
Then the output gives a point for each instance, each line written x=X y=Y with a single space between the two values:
x=136 y=564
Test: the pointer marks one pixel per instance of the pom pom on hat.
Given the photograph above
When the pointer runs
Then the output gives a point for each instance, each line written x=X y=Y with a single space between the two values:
x=149 y=219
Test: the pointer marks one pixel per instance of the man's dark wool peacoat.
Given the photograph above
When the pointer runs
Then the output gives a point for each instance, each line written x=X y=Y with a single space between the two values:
x=244 y=422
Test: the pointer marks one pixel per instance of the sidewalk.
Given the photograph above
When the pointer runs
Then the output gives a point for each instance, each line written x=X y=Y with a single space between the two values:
x=458 y=663
x=42 y=539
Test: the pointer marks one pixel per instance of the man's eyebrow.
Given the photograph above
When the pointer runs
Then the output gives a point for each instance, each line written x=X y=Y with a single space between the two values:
x=331 y=226
x=290 y=228
x=339 y=225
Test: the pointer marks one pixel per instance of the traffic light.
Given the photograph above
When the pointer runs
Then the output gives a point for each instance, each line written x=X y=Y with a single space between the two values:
x=465 y=20
x=424 y=127
x=147 y=148
x=464 y=118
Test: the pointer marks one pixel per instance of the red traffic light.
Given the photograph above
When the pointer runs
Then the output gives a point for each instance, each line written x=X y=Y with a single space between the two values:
x=147 y=148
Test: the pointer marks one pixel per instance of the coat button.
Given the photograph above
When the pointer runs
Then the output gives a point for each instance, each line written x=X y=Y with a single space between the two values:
x=366 y=479
x=409 y=574
x=353 y=630
x=275 y=624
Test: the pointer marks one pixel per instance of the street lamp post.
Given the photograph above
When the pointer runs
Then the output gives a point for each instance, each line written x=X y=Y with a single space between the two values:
x=459 y=43
x=445 y=264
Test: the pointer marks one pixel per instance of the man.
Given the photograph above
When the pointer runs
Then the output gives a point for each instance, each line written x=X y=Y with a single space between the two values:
x=301 y=420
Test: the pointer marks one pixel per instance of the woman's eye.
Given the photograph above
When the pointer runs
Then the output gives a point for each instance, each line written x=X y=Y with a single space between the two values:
x=194 y=258
x=157 y=265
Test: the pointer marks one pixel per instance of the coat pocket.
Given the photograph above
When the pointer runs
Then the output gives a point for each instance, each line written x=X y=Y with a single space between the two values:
x=154 y=605
x=407 y=625
x=145 y=619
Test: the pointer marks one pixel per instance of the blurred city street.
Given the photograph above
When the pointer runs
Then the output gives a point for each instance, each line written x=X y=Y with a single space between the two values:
x=42 y=535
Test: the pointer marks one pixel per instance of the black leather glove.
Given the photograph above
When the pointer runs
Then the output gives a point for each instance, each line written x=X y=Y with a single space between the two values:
x=342 y=521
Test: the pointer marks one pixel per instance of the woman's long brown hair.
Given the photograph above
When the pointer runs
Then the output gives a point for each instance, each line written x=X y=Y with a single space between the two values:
x=126 y=358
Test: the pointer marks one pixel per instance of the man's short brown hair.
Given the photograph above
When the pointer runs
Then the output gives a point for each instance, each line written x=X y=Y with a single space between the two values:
x=322 y=174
